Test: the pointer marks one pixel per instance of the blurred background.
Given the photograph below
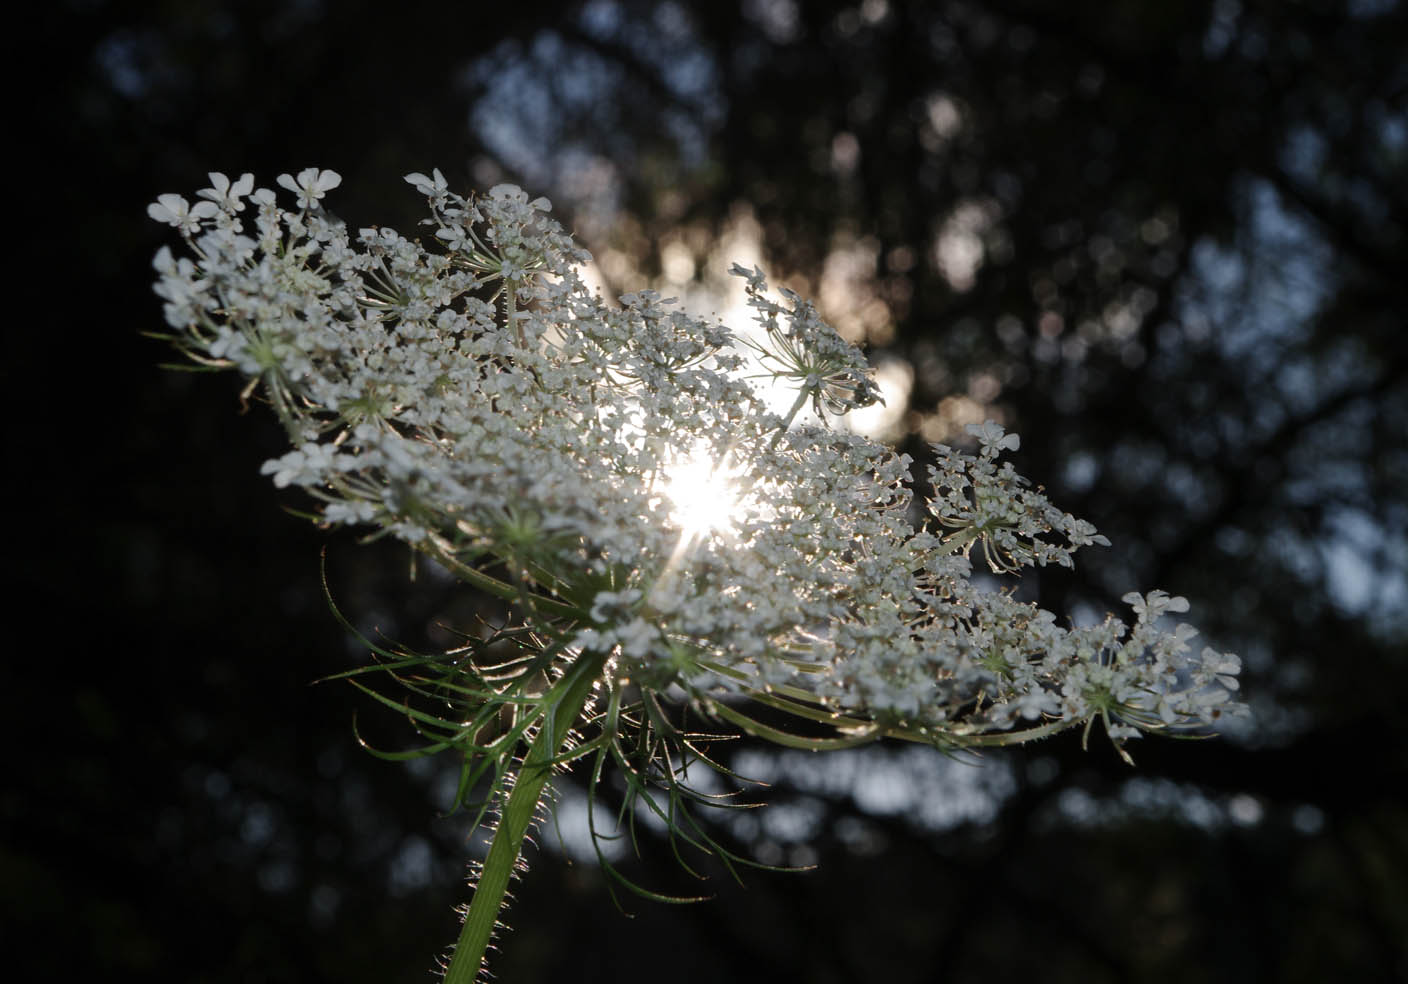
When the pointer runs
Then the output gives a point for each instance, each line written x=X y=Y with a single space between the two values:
x=1165 y=242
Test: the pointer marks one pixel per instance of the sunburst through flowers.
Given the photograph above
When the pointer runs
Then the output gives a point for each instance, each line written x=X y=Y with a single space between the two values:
x=705 y=496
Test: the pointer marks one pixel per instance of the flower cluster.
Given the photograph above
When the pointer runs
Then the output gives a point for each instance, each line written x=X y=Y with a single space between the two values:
x=474 y=399
x=808 y=352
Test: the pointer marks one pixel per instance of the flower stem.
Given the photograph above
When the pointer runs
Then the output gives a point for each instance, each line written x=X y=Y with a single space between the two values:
x=791 y=415
x=564 y=708
x=511 y=312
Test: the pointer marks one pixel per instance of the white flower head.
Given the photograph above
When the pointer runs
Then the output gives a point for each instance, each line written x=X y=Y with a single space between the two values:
x=1151 y=606
x=428 y=387
x=433 y=187
x=993 y=438
x=512 y=194
x=225 y=194
x=175 y=211
x=757 y=280
x=1222 y=667
x=311 y=185
x=808 y=351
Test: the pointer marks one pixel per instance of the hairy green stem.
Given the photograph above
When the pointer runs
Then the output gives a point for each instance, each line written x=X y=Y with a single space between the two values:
x=574 y=689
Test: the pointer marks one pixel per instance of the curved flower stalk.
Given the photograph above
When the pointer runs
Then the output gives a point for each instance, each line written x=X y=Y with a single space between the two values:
x=661 y=539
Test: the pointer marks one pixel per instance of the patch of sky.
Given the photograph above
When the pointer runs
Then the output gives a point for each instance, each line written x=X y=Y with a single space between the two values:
x=1260 y=295
x=1367 y=568
x=573 y=816
x=795 y=821
x=1222 y=27
x=779 y=20
x=1155 y=799
x=600 y=18
x=1393 y=128
x=514 y=114
x=1083 y=615
x=523 y=95
x=1303 y=154
x=258 y=826
x=411 y=866
x=1307 y=819
x=569 y=831
x=933 y=792
x=1262 y=298
x=1080 y=472
x=121 y=59
x=1365 y=9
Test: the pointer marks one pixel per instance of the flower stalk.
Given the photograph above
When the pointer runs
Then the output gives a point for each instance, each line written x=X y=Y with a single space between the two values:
x=506 y=847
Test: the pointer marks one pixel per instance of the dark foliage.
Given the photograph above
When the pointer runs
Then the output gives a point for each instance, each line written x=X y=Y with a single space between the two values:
x=1179 y=237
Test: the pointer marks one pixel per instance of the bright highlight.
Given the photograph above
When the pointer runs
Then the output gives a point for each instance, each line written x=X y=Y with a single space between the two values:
x=704 y=496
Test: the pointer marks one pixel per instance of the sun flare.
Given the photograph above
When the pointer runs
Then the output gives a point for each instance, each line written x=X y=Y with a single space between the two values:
x=704 y=495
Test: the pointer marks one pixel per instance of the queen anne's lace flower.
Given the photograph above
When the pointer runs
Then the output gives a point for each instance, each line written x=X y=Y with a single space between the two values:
x=310 y=185
x=226 y=194
x=807 y=351
x=175 y=211
x=479 y=402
